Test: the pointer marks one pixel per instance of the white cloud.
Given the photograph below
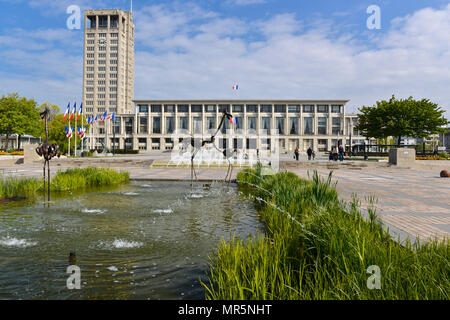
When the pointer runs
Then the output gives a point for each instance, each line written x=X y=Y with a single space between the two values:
x=184 y=51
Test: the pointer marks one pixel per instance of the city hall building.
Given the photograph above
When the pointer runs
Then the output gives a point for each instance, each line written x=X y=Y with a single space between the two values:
x=145 y=125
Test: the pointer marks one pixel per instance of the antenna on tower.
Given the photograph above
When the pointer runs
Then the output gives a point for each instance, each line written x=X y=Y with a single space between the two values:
x=131 y=7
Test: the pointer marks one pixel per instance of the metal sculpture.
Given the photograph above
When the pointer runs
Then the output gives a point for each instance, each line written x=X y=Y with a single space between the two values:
x=47 y=150
x=198 y=144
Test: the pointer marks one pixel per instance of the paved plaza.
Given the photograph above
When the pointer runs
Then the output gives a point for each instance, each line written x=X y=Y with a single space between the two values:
x=412 y=202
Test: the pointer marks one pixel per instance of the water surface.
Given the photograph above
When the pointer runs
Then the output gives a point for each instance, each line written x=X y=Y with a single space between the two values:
x=145 y=240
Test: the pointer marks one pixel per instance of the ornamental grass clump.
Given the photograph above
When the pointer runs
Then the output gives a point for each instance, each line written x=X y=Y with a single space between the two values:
x=318 y=247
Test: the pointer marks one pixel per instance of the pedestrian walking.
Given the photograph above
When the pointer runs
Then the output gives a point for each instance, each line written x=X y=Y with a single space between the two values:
x=309 y=152
x=296 y=154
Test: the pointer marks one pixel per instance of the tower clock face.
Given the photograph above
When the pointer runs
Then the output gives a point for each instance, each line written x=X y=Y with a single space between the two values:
x=102 y=42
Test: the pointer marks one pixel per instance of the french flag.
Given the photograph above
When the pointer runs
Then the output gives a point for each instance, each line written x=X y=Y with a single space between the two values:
x=73 y=111
x=235 y=87
x=111 y=116
x=81 y=111
x=67 y=112
x=103 y=117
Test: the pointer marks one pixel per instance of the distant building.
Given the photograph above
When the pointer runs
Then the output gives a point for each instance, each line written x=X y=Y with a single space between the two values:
x=13 y=141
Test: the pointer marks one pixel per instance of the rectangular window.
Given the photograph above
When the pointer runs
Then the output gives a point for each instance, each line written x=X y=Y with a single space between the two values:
x=101 y=61
x=102 y=35
x=114 y=35
x=183 y=123
x=113 y=96
x=89 y=61
x=143 y=125
x=102 y=75
x=113 y=55
x=280 y=108
x=101 y=68
x=252 y=108
x=90 y=41
x=113 y=61
x=89 y=82
x=196 y=108
x=112 y=68
x=90 y=89
x=336 y=126
x=294 y=109
x=89 y=103
x=103 y=22
x=90 y=96
x=169 y=108
x=322 y=125
x=210 y=123
x=90 y=35
x=238 y=108
x=114 y=89
x=143 y=108
x=293 y=126
x=90 y=48
x=113 y=82
x=308 y=108
x=114 y=41
x=102 y=55
x=114 y=22
x=265 y=124
x=90 y=69
x=266 y=108
x=322 y=108
x=115 y=48
x=251 y=125
x=224 y=107
x=101 y=48
x=183 y=108
x=101 y=82
x=336 y=109
x=113 y=103
x=90 y=55
x=156 y=125
x=308 y=125
x=90 y=75
x=238 y=122
x=113 y=75
x=101 y=103
x=156 y=108
x=101 y=96
x=210 y=108
x=170 y=125
x=280 y=125
x=198 y=125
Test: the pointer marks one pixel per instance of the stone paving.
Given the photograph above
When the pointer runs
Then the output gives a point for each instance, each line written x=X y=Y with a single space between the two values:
x=415 y=202
x=412 y=203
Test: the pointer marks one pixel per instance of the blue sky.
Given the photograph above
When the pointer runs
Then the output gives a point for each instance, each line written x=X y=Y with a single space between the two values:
x=273 y=49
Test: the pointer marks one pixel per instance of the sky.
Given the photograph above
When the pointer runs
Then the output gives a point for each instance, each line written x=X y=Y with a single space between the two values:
x=273 y=49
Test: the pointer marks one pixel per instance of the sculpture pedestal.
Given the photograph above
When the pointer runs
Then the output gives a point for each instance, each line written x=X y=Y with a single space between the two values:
x=29 y=153
x=402 y=157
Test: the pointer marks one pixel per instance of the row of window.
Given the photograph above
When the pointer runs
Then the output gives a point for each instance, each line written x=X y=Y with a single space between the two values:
x=101 y=69
x=101 y=82
x=101 y=96
x=101 y=75
x=100 y=102
x=102 y=35
x=112 y=48
x=280 y=122
x=91 y=62
x=240 y=108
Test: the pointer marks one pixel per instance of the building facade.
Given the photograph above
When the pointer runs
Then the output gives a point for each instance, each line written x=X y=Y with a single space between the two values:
x=108 y=74
x=319 y=124
x=145 y=125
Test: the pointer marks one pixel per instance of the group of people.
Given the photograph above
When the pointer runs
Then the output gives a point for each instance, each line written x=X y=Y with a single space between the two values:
x=310 y=152
x=337 y=153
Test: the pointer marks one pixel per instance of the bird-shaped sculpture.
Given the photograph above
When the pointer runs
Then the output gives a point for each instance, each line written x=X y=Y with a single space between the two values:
x=47 y=150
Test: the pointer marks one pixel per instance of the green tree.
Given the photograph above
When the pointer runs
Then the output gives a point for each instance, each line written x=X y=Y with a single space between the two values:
x=18 y=115
x=405 y=117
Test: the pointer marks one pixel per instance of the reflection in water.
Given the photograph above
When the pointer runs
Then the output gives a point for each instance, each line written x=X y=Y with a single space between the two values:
x=139 y=241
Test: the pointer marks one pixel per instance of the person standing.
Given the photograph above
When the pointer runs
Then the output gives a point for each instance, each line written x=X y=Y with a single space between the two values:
x=341 y=153
x=296 y=153
x=309 y=152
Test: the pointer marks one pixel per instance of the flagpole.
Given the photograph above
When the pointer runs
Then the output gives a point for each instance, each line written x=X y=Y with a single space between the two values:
x=69 y=137
x=75 y=134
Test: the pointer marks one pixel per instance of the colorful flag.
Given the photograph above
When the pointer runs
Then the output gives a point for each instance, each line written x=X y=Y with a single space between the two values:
x=88 y=121
x=69 y=133
x=67 y=112
x=103 y=117
x=111 y=116
x=95 y=120
x=73 y=111
x=235 y=87
x=81 y=111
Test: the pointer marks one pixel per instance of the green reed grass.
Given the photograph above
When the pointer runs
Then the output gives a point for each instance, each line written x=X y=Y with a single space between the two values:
x=322 y=251
x=68 y=180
